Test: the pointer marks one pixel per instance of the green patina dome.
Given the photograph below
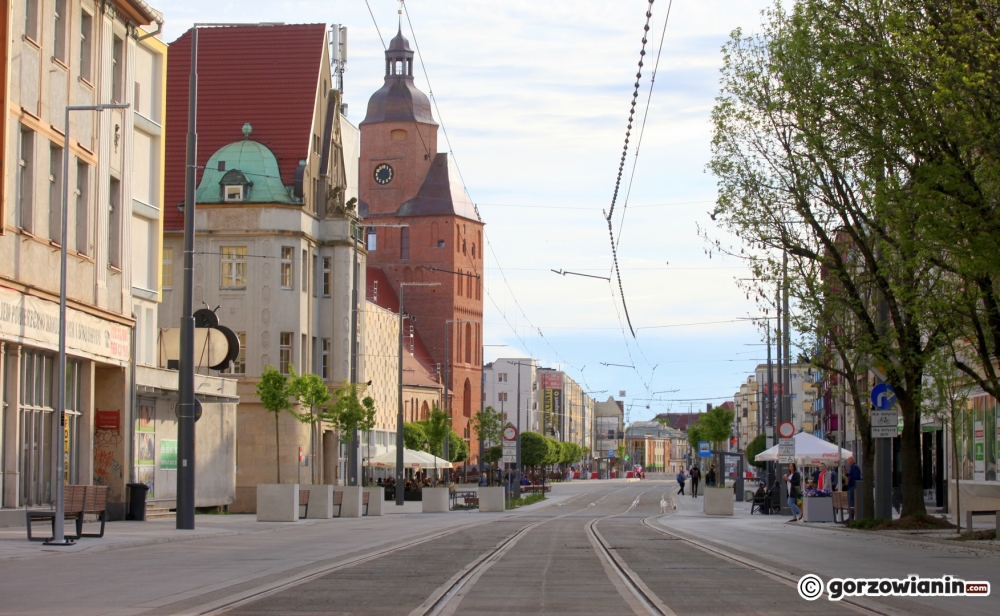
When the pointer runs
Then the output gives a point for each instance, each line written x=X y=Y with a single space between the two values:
x=246 y=163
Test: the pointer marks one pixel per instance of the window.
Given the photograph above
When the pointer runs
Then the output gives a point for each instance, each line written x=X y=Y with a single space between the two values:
x=117 y=66
x=315 y=272
x=501 y=396
x=86 y=54
x=234 y=194
x=55 y=192
x=327 y=275
x=284 y=352
x=468 y=343
x=305 y=271
x=440 y=243
x=234 y=267
x=502 y=377
x=461 y=281
x=286 y=267
x=325 y=359
x=31 y=19
x=404 y=243
x=371 y=239
x=59 y=42
x=304 y=355
x=26 y=184
x=115 y=224
x=168 y=268
x=82 y=207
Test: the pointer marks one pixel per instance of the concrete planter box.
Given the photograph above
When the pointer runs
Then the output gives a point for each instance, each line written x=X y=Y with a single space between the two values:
x=817 y=509
x=491 y=499
x=351 y=507
x=320 y=502
x=718 y=501
x=376 y=501
x=435 y=500
x=277 y=502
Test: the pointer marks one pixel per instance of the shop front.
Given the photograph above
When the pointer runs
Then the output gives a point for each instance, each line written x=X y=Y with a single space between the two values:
x=97 y=380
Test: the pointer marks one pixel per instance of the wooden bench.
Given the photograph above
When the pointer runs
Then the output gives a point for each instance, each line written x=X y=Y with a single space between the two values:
x=364 y=501
x=841 y=506
x=338 y=501
x=304 y=502
x=95 y=502
x=533 y=489
x=975 y=512
x=78 y=501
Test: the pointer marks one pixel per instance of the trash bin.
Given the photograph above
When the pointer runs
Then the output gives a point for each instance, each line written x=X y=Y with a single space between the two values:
x=137 y=501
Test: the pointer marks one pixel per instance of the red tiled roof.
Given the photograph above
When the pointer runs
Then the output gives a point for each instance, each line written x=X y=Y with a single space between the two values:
x=387 y=298
x=265 y=75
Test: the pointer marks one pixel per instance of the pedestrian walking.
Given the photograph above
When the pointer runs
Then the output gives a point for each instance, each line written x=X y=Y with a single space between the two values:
x=853 y=478
x=710 y=476
x=794 y=479
x=680 y=481
x=695 y=475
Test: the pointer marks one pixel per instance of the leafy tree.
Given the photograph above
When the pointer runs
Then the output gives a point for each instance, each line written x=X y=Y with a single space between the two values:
x=488 y=426
x=717 y=425
x=312 y=393
x=534 y=449
x=437 y=427
x=349 y=412
x=458 y=449
x=493 y=454
x=754 y=448
x=274 y=394
x=414 y=436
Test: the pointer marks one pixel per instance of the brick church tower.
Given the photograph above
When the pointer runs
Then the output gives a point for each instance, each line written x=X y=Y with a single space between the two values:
x=404 y=181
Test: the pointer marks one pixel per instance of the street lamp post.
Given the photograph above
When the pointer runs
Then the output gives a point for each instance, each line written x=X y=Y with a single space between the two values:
x=399 y=409
x=59 y=534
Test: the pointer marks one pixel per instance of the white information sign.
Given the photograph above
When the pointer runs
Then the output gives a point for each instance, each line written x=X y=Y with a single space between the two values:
x=786 y=450
x=885 y=424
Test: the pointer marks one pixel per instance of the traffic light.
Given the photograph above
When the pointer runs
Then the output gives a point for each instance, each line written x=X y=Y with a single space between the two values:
x=732 y=441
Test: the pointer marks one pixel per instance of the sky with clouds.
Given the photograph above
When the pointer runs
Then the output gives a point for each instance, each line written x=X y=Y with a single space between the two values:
x=534 y=96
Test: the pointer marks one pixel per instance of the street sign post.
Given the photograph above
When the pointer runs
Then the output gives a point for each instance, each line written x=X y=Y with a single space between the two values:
x=885 y=424
x=883 y=397
x=786 y=429
x=786 y=450
x=704 y=449
x=510 y=444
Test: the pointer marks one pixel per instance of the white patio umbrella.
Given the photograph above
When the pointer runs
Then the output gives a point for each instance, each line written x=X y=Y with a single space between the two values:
x=411 y=459
x=809 y=451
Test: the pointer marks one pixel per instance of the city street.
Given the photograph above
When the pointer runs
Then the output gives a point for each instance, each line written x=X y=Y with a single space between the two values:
x=592 y=547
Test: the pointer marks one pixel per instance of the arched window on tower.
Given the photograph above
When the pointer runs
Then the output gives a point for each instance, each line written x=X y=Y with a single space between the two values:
x=468 y=343
x=467 y=399
x=473 y=251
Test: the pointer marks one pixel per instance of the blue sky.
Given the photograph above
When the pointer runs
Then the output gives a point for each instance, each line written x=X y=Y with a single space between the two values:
x=535 y=97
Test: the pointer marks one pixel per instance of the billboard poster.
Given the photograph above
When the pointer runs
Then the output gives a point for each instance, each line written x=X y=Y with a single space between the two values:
x=168 y=454
x=546 y=409
x=555 y=422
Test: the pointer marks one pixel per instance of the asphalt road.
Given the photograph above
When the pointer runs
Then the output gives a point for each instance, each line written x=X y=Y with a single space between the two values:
x=607 y=548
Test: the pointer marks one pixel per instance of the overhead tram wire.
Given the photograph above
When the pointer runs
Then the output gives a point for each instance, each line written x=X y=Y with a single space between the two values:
x=376 y=24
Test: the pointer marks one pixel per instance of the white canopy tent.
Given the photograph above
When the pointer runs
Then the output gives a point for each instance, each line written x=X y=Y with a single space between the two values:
x=809 y=451
x=411 y=459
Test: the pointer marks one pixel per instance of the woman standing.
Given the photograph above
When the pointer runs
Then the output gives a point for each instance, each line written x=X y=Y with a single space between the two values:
x=794 y=480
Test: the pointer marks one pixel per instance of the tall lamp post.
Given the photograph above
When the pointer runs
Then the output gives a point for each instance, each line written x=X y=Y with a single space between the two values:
x=399 y=410
x=59 y=534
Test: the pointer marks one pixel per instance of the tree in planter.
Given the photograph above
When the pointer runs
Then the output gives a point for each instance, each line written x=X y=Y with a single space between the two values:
x=349 y=412
x=620 y=456
x=488 y=426
x=437 y=427
x=534 y=449
x=274 y=393
x=717 y=425
x=312 y=393
x=949 y=402
x=695 y=435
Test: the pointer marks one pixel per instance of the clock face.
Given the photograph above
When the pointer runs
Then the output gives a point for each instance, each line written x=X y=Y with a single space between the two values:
x=383 y=174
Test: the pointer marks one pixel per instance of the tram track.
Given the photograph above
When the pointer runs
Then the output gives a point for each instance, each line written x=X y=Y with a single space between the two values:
x=241 y=599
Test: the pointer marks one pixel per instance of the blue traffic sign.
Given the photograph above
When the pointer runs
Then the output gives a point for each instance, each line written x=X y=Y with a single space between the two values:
x=883 y=396
x=704 y=449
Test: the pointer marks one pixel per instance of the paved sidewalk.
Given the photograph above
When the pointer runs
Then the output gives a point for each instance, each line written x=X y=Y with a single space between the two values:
x=831 y=551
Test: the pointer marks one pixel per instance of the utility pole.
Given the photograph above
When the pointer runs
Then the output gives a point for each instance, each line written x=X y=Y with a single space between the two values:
x=352 y=463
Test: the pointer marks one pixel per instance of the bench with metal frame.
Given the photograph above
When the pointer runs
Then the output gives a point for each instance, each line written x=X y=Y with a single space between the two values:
x=974 y=512
x=469 y=497
x=78 y=501
x=365 y=496
x=545 y=488
x=338 y=501
x=841 y=506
